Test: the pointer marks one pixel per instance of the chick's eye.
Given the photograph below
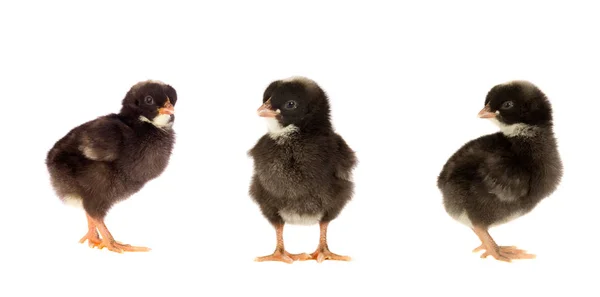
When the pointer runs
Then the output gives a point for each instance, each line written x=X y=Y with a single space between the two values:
x=507 y=105
x=291 y=104
x=149 y=100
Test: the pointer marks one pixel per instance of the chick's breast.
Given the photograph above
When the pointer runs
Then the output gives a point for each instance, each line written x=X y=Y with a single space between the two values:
x=290 y=171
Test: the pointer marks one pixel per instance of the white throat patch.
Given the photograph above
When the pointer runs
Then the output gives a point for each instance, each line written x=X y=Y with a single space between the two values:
x=277 y=131
x=515 y=130
x=162 y=121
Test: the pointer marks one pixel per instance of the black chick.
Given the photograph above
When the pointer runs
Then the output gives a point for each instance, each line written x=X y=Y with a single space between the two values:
x=499 y=177
x=106 y=160
x=302 y=168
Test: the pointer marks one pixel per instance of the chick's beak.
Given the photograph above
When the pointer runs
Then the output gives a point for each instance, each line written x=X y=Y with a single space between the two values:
x=266 y=110
x=486 y=113
x=168 y=108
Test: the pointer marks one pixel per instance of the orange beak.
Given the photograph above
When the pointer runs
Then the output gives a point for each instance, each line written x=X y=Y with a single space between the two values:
x=486 y=113
x=266 y=110
x=168 y=108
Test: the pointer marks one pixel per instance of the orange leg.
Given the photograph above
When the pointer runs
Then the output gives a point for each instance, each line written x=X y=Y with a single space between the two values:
x=323 y=253
x=107 y=241
x=92 y=236
x=280 y=253
x=502 y=253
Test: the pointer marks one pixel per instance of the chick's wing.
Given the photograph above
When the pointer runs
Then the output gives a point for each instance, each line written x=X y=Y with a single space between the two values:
x=101 y=140
x=346 y=159
x=505 y=177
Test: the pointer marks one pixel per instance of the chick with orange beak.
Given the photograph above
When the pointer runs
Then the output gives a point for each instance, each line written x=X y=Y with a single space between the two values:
x=302 y=167
x=497 y=178
x=106 y=160
x=159 y=109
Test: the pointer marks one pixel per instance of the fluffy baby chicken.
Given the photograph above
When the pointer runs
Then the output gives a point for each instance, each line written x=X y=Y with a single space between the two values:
x=499 y=177
x=106 y=160
x=302 y=168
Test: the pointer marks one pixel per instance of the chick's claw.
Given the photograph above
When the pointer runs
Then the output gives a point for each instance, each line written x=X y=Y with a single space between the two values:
x=276 y=256
x=118 y=247
x=504 y=253
x=322 y=255
x=284 y=256
x=130 y=248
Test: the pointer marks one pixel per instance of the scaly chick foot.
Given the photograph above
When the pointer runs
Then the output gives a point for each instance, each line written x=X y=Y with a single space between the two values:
x=115 y=246
x=323 y=254
x=504 y=253
x=283 y=256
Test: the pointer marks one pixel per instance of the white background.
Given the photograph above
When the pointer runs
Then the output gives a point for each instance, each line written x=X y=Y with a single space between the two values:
x=405 y=82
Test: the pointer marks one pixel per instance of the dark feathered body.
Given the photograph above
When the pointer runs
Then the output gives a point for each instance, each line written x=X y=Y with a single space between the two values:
x=110 y=158
x=306 y=175
x=302 y=168
x=496 y=178
x=132 y=154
